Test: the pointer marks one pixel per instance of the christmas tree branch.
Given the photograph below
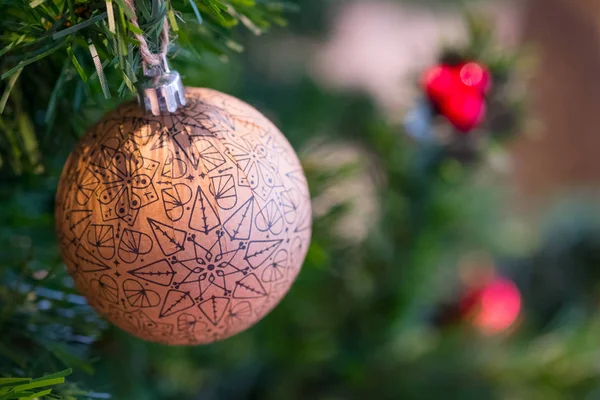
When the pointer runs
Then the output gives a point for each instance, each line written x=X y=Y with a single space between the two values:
x=93 y=36
x=28 y=388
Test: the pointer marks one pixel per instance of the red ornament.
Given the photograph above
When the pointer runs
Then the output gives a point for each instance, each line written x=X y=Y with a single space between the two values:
x=494 y=307
x=458 y=92
x=465 y=109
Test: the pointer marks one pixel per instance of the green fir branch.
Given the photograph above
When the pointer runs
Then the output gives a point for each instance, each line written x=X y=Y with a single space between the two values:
x=28 y=388
x=34 y=31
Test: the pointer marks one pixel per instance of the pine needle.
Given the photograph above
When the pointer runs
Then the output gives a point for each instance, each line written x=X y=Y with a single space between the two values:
x=36 y=3
x=78 y=27
x=111 y=16
x=196 y=11
x=9 y=87
x=99 y=70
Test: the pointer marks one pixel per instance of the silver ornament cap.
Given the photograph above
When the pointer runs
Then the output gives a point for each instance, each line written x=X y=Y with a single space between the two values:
x=161 y=92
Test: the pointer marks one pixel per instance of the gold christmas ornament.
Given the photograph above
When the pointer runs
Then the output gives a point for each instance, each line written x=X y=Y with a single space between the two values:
x=184 y=228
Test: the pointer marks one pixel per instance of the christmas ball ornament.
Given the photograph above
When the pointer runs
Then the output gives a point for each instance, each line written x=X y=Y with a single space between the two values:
x=493 y=307
x=458 y=92
x=184 y=227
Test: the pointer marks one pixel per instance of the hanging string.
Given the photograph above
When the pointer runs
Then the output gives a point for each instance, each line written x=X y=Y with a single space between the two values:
x=150 y=59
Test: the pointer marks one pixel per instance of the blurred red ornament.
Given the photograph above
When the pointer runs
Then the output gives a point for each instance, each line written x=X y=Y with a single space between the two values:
x=494 y=307
x=458 y=92
x=465 y=109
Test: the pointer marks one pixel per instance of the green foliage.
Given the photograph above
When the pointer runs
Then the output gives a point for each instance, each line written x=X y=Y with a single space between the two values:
x=29 y=389
x=46 y=326
x=105 y=32
x=366 y=318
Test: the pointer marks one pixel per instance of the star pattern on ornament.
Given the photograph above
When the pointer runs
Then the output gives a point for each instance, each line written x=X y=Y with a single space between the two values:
x=210 y=267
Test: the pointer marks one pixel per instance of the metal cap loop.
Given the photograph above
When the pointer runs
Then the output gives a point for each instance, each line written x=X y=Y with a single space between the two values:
x=162 y=91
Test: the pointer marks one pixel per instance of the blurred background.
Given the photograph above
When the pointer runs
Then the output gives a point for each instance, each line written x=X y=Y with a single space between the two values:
x=433 y=271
